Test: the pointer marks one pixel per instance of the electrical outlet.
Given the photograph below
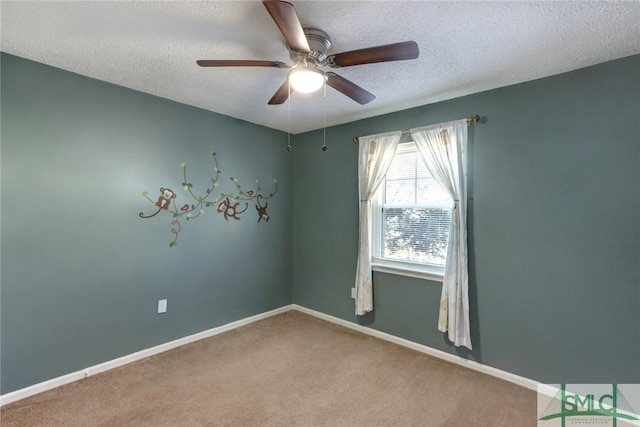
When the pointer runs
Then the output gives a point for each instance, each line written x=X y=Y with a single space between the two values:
x=353 y=293
x=162 y=306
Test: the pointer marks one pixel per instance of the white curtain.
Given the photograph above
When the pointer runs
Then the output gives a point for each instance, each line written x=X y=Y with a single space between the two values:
x=375 y=154
x=444 y=150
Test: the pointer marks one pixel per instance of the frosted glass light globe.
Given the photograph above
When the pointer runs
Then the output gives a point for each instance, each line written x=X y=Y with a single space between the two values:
x=306 y=80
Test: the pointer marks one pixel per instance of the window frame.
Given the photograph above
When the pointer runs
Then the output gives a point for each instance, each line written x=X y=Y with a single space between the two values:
x=421 y=270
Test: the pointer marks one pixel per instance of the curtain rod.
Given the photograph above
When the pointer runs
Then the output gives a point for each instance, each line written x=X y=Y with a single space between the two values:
x=473 y=119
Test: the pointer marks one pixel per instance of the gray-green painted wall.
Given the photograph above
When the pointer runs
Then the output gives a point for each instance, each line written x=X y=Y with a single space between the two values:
x=81 y=273
x=554 y=227
x=554 y=223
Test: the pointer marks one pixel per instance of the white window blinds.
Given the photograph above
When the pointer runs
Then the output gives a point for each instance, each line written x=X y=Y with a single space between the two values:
x=416 y=212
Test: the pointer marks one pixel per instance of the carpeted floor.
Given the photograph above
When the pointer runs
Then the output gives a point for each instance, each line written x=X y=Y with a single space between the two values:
x=287 y=370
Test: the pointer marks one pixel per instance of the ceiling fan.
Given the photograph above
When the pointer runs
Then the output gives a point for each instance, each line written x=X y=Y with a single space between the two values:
x=308 y=48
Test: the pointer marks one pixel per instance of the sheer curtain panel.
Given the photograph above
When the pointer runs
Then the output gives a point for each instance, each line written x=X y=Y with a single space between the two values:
x=443 y=149
x=375 y=154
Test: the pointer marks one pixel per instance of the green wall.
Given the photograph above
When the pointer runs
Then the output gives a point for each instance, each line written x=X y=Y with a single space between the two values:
x=81 y=273
x=554 y=220
x=554 y=225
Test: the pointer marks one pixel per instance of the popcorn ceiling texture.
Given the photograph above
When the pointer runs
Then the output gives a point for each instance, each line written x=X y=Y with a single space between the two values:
x=465 y=47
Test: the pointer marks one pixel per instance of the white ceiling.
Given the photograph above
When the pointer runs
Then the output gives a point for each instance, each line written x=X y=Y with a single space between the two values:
x=465 y=47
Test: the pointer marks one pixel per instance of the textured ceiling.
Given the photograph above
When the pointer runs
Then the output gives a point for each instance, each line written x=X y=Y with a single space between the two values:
x=465 y=47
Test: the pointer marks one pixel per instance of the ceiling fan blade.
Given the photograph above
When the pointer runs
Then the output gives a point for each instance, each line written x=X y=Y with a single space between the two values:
x=350 y=89
x=239 y=63
x=285 y=17
x=384 y=53
x=281 y=95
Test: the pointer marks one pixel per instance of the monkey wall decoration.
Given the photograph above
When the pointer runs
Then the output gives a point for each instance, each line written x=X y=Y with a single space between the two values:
x=228 y=204
x=166 y=196
x=230 y=210
x=262 y=210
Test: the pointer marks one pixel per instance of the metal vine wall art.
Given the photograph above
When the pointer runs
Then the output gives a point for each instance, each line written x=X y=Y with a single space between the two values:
x=230 y=205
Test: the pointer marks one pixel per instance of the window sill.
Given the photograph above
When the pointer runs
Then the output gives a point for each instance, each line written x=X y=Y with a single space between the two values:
x=432 y=273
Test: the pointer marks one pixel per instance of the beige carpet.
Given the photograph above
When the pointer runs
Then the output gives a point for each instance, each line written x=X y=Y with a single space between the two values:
x=291 y=369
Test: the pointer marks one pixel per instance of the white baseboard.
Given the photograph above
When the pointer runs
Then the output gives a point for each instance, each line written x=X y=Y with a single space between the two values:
x=111 y=364
x=503 y=375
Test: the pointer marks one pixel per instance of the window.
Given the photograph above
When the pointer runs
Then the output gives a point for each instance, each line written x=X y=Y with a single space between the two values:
x=411 y=219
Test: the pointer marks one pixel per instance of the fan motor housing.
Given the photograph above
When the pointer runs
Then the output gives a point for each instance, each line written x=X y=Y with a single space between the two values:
x=319 y=44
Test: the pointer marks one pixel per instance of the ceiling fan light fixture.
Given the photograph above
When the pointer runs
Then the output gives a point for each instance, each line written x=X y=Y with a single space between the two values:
x=306 y=79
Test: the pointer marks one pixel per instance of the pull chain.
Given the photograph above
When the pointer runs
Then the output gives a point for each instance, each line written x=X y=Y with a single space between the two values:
x=324 y=118
x=289 y=129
